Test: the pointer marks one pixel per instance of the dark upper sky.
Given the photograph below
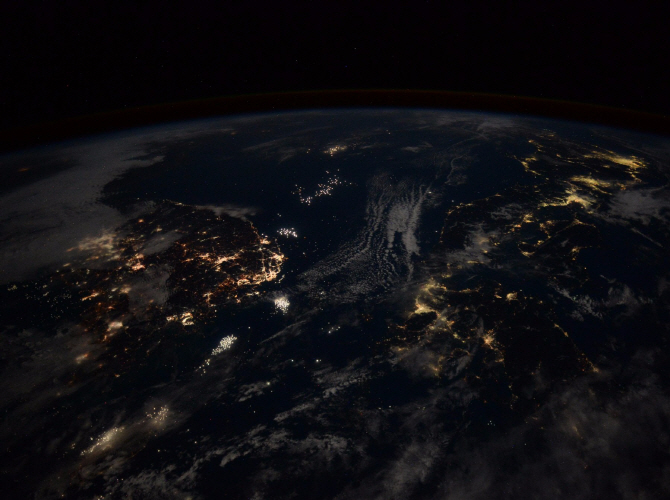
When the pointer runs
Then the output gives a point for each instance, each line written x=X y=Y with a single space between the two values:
x=68 y=58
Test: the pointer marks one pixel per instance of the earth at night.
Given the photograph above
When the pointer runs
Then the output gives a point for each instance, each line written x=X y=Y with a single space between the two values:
x=354 y=304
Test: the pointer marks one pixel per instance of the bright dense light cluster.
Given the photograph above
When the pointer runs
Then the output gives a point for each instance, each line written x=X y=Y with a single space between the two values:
x=271 y=263
x=225 y=344
x=185 y=318
x=282 y=303
x=285 y=231
x=103 y=247
x=158 y=415
x=323 y=189
x=105 y=441
x=335 y=149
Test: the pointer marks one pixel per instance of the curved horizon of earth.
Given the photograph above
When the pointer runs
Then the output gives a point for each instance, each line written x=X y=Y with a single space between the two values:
x=346 y=304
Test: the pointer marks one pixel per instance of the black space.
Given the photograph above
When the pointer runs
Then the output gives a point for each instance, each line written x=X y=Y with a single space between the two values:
x=61 y=59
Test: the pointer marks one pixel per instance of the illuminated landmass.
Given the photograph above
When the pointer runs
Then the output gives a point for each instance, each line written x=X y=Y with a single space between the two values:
x=478 y=317
x=465 y=305
x=170 y=267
